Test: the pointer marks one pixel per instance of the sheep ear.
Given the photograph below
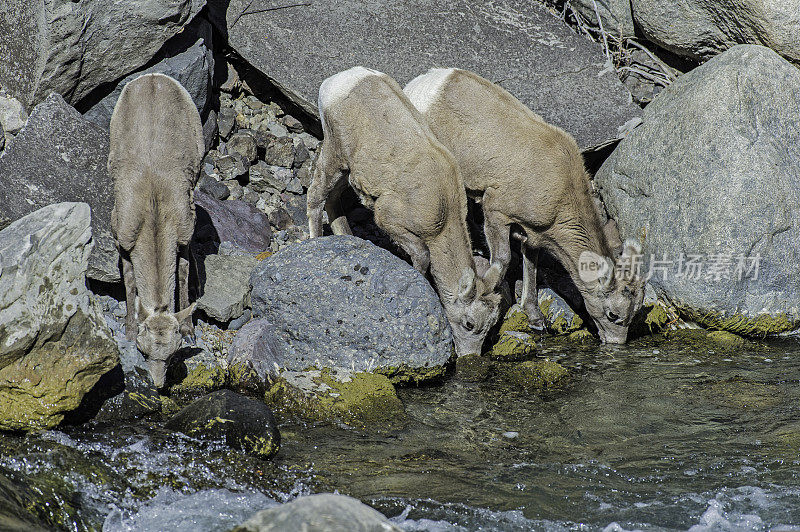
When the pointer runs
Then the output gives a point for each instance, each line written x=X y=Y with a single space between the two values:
x=466 y=285
x=611 y=232
x=630 y=258
x=186 y=313
x=492 y=278
x=606 y=274
x=141 y=312
x=631 y=248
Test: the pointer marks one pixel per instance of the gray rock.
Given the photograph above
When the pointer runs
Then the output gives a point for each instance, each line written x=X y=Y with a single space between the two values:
x=311 y=142
x=232 y=166
x=193 y=68
x=60 y=156
x=713 y=170
x=319 y=513
x=301 y=154
x=244 y=143
x=213 y=188
x=699 y=29
x=262 y=179
x=243 y=225
x=294 y=186
x=519 y=45
x=17 y=499
x=227 y=288
x=54 y=343
x=210 y=129
x=341 y=302
x=242 y=422
x=615 y=15
x=227 y=119
x=278 y=151
x=74 y=47
x=239 y=322
x=292 y=124
x=12 y=115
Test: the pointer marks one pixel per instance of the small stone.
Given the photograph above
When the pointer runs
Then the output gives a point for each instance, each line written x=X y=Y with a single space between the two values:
x=237 y=323
x=236 y=191
x=511 y=435
x=12 y=115
x=250 y=196
x=514 y=345
x=304 y=174
x=254 y=103
x=278 y=129
x=538 y=375
x=311 y=142
x=213 y=188
x=292 y=124
x=244 y=143
x=278 y=151
x=242 y=121
x=275 y=109
x=227 y=288
x=227 y=118
x=294 y=186
x=262 y=179
x=301 y=154
x=280 y=218
x=232 y=166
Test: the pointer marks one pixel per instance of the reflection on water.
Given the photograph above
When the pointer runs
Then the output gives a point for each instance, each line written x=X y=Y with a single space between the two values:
x=655 y=435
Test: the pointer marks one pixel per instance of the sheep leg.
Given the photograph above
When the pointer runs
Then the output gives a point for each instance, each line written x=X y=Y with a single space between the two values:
x=131 y=328
x=529 y=299
x=184 y=260
x=326 y=179
x=497 y=229
x=385 y=218
x=336 y=216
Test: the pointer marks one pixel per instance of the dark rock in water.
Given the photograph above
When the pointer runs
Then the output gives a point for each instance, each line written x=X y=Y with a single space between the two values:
x=520 y=45
x=74 y=47
x=232 y=221
x=15 y=499
x=192 y=67
x=710 y=180
x=319 y=513
x=60 y=156
x=342 y=302
x=242 y=422
x=213 y=188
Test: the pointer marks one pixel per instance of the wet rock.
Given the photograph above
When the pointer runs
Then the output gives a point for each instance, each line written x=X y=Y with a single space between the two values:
x=700 y=30
x=202 y=370
x=16 y=499
x=341 y=302
x=230 y=221
x=524 y=47
x=712 y=122
x=12 y=115
x=537 y=375
x=278 y=151
x=242 y=422
x=59 y=156
x=473 y=368
x=558 y=315
x=514 y=345
x=319 y=513
x=54 y=343
x=244 y=143
x=213 y=188
x=227 y=288
x=74 y=47
x=726 y=339
x=192 y=65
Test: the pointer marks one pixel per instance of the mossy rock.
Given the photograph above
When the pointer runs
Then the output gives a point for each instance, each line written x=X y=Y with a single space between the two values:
x=742 y=394
x=537 y=375
x=357 y=399
x=726 y=339
x=473 y=368
x=516 y=320
x=557 y=321
x=405 y=374
x=761 y=326
x=200 y=380
x=514 y=345
x=582 y=336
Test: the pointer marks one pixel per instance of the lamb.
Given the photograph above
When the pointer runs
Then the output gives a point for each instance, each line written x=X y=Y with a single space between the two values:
x=155 y=155
x=530 y=173
x=377 y=141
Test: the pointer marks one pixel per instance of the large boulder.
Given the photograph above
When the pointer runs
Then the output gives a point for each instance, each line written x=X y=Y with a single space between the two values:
x=54 y=343
x=700 y=29
x=190 y=62
x=520 y=45
x=73 y=47
x=712 y=176
x=342 y=302
x=59 y=156
x=319 y=513
x=614 y=15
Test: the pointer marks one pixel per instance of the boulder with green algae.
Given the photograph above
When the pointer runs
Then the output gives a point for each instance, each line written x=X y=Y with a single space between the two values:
x=558 y=315
x=514 y=345
x=537 y=375
x=54 y=342
x=473 y=368
x=336 y=395
x=726 y=339
x=242 y=422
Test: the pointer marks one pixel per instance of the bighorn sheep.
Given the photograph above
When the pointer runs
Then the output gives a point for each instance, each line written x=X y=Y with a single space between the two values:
x=530 y=173
x=156 y=150
x=377 y=141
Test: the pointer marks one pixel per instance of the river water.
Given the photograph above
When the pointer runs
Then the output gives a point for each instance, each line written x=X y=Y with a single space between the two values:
x=656 y=435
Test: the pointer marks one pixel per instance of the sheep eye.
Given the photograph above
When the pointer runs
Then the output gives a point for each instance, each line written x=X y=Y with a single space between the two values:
x=469 y=325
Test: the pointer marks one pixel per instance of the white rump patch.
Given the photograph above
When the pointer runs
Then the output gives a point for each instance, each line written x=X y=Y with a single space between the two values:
x=339 y=85
x=424 y=90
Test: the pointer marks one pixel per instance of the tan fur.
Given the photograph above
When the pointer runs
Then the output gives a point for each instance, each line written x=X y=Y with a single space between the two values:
x=530 y=173
x=154 y=159
x=377 y=141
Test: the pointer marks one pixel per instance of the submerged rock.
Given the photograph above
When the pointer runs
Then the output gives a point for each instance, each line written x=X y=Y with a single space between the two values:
x=15 y=502
x=242 y=422
x=319 y=513
x=537 y=375
x=710 y=181
x=342 y=302
x=521 y=45
x=54 y=343
x=60 y=156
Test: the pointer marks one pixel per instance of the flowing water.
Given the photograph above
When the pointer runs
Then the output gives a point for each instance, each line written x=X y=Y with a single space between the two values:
x=657 y=435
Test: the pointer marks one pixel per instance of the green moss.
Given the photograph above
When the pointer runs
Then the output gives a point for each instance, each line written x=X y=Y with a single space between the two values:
x=244 y=379
x=260 y=446
x=473 y=368
x=559 y=324
x=538 y=375
x=405 y=374
x=761 y=326
x=743 y=394
x=513 y=345
x=516 y=320
x=726 y=339
x=356 y=399
x=201 y=380
x=581 y=336
x=657 y=318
